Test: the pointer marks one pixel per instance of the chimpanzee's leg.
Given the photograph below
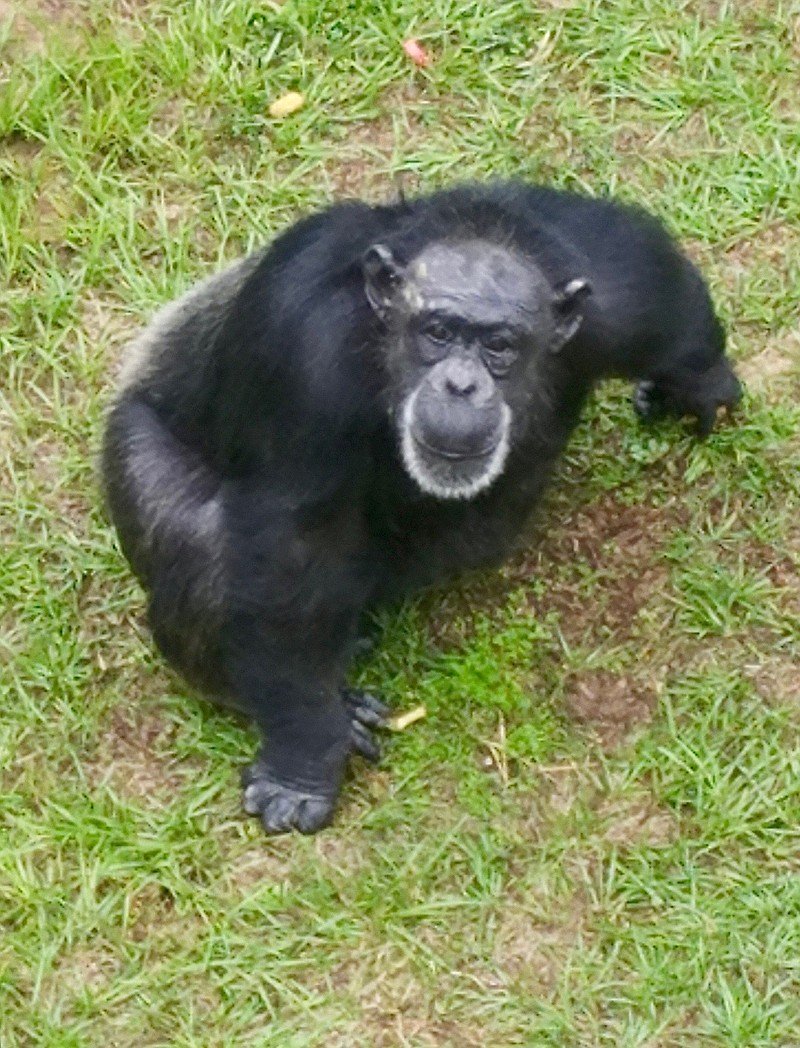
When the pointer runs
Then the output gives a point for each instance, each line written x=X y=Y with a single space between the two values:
x=296 y=593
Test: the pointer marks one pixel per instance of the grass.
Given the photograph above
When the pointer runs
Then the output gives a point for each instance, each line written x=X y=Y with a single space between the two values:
x=593 y=838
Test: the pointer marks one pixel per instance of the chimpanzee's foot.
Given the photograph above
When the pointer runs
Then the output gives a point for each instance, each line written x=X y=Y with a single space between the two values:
x=282 y=808
x=365 y=712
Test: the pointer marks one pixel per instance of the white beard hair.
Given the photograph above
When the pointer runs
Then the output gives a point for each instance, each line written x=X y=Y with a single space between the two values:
x=419 y=473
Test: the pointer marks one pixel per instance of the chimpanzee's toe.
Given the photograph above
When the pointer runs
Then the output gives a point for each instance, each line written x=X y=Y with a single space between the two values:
x=282 y=808
x=366 y=712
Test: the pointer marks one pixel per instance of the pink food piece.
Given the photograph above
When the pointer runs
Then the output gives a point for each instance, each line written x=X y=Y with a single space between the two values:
x=417 y=53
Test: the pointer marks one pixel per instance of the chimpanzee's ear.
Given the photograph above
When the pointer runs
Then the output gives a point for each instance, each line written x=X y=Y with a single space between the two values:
x=383 y=276
x=567 y=310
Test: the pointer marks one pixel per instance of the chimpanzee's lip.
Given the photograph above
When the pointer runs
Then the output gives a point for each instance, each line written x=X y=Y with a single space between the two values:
x=455 y=456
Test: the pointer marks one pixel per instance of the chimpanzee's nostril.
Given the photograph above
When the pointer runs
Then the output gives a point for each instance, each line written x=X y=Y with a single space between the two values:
x=460 y=387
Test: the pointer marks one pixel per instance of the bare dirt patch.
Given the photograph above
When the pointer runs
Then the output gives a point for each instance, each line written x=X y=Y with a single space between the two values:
x=634 y=139
x=373 y=149
x=531 y=953
x=779 y=563
x=134 y=757
x=88 y=968
x=25 y=35
x=619 y=544
x=777 y=680
x=394 y=1007
x=107 y=324
x=770 y=245
x=637 y=820
x=608 y=529
x=70 y=507
x=53 y=10
x=394 y=1030
x=767 y=371
x=34 y=20
x=268 y=862
x=610 y=705
x=45 y=13
x=22 y=153
x=609 y=614
x=152 y=918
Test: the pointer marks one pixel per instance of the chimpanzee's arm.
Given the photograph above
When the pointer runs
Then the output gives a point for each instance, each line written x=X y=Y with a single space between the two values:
x=646 y=313
x=657 y=327
x=682 y=365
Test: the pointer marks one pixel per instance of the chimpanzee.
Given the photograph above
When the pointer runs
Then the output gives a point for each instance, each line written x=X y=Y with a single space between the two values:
x=365 y=407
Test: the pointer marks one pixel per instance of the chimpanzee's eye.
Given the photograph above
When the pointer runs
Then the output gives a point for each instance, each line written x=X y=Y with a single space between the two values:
x=499 y=353
x=436 y=331
x=499 y=344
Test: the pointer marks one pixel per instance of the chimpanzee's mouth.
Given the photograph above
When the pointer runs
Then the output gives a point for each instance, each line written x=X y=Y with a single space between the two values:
x=454 y=472
x=456 y=456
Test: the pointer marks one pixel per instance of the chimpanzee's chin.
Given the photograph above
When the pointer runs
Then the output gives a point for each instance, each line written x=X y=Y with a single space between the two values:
x=446 y=475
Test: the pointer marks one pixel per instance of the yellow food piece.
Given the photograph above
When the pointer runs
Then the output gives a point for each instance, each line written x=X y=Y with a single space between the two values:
x=286 y=104
x=401 y=721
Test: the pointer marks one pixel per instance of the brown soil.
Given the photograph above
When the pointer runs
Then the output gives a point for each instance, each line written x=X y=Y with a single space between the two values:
x=611 y=705
x=134 y=756
x=768 y=371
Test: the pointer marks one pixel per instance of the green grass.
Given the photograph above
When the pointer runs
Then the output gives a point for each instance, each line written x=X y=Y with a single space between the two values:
x=593 y=837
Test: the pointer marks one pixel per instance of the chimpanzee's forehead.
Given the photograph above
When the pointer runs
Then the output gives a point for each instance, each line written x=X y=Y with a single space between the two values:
x=480 y=281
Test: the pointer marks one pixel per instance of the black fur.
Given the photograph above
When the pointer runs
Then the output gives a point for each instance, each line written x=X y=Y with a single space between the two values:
x=251 y=457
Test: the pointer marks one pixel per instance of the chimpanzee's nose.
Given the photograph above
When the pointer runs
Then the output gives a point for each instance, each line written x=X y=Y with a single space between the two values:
x=463 y=386
x=461 y=378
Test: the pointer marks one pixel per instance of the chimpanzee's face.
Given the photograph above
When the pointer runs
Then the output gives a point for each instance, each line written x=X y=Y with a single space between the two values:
x=469 y=326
